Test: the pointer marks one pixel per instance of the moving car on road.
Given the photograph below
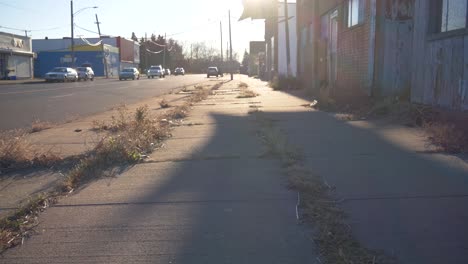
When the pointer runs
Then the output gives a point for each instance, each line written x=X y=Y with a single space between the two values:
x=179 y=71
x=155 y=71
x=129 y=73
x=61 y=74
x=167 y=72
x=212 y=71
x=85 y=73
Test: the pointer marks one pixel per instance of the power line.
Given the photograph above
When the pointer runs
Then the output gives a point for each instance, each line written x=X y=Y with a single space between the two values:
x=90 y=31
x=31 y=30
x=13 y=6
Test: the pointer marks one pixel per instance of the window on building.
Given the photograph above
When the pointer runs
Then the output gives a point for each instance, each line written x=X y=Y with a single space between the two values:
x=355 y=12
x=453 y=15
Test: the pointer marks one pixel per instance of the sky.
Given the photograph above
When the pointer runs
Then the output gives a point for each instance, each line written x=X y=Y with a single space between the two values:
x=187 y=21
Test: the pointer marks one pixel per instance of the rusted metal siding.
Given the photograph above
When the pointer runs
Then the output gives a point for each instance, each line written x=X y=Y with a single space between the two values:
x=439 y=64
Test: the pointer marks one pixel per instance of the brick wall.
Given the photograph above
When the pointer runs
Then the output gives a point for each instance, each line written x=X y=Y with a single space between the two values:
x=353 y=56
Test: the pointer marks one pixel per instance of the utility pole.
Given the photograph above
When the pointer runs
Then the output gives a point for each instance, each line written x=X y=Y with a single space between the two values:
x=104 y=59
x=72 y=35
x=164 y=56
x=286 y=25
x=221 y=29
x=230 y=41
x=98 y=27
x=146 y=52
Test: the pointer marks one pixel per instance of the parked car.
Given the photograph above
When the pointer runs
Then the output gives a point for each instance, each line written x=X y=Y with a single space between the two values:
x=155 y=71
x=61 y=74
x=212 y=71
x=129 y=73
x=167 y=72
x=179 y=71
x=85 y=73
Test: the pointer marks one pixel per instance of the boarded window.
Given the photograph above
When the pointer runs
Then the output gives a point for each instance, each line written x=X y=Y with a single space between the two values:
x=453 y=15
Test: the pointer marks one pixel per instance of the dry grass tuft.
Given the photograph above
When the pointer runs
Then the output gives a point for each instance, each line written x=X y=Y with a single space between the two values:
x=38 y=125
x=164 y=104
x=19 y=225
x=243 y=85
x=245 y=91
x=217 y=86
x=200 y=95
x=447 y=136
x=129 y=141
x=178 y=112
x=16 y=152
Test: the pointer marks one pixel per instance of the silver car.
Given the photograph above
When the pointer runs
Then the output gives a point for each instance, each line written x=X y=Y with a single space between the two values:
x=129 y=73
x=155 y=71
x=61 y=74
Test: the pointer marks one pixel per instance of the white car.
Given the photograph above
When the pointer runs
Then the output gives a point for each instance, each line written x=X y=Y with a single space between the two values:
x=61 y=74
x=167 y=72
x=212 y=71
x=129 y=73
x=85 y=73
x=156 y=71
x=179 y=71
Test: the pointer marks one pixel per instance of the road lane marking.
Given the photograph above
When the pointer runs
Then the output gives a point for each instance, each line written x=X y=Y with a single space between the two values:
x=60 y=96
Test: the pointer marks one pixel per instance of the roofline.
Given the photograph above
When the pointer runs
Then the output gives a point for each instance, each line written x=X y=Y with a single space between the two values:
x=15 y=35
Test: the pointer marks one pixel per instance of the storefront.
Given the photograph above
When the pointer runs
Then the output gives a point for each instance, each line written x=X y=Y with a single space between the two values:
x=16 y=57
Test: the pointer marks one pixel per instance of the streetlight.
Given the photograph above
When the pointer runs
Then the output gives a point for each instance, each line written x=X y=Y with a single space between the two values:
x=72 y=27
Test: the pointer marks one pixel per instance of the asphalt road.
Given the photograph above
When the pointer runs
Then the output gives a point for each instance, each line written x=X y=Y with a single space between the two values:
x=21 y=104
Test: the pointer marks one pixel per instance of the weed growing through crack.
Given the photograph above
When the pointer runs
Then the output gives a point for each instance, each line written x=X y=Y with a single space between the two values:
x=245 y=92
x=332 y=234
x=16 y=227
x=38 y=126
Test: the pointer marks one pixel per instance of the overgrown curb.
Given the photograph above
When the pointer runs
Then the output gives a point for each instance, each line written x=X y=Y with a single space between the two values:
x=128 y=141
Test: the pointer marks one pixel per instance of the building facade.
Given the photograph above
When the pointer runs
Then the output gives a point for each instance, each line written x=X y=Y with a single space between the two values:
x=108 y=58
x=16 y=57
x=414 y=49
x=282 y=38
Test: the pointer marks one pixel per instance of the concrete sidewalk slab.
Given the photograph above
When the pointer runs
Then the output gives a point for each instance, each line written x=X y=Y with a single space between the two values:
x=17 y=187
x=400 y=196
x=185 y=208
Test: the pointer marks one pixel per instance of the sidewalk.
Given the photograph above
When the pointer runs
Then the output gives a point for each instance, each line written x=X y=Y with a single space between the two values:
x=400 y=196
x=206 y=197
x=209 y=196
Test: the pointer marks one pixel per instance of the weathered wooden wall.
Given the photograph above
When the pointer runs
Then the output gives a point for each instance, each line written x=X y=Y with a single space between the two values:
x=440 y=64
x=394 y=47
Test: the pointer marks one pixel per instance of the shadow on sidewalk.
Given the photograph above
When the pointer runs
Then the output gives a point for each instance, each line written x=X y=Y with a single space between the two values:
x=224 y=204
x=237 y=209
